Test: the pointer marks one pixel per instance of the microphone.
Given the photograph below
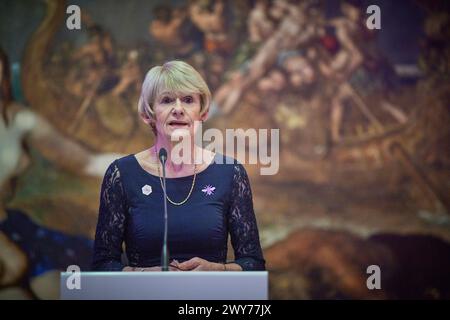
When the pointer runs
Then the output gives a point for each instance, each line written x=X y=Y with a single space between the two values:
x=165 y=251
x=162 y=155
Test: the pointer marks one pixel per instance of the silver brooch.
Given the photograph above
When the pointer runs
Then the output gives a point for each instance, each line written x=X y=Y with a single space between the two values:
x=147 y=189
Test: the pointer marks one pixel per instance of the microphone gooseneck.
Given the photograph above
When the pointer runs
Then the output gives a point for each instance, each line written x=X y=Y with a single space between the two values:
x=165 y=250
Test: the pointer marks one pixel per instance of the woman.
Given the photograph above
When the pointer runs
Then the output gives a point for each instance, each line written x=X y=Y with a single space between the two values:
x=206 y=201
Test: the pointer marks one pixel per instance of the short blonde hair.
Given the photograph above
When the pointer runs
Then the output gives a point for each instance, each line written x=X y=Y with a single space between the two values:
x=173 y=76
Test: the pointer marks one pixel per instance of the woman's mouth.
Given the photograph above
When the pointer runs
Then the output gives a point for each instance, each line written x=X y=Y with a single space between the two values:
x=178 y=124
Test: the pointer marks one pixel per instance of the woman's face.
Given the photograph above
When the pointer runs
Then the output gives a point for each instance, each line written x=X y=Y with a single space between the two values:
x=176 y=112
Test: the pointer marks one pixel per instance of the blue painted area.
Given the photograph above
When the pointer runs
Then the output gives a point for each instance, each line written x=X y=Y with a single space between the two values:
x=46 y=249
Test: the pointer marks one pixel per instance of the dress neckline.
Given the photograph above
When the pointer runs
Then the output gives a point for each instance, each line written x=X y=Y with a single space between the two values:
x=183 y=177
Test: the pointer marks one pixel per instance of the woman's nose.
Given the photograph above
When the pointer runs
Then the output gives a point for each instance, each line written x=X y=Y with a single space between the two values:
x=178 y=107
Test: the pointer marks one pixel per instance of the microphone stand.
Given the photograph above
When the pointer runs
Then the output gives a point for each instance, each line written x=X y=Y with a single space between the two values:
x=165 y=250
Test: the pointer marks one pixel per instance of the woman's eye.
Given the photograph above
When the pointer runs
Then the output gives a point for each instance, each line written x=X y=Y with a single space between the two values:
x=166 y=100
x=188 y=99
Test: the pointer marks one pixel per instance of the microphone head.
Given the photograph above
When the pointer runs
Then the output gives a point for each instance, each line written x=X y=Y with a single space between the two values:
x=162 y=155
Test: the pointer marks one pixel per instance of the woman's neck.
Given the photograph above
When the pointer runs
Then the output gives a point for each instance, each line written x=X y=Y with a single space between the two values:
x=185 y=163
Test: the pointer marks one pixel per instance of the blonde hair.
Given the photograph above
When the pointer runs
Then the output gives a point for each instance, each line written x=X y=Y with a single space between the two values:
x=173 y=76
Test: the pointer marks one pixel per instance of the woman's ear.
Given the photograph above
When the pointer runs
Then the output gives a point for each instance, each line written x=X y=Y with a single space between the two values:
x=148 y=120
x=204 y=116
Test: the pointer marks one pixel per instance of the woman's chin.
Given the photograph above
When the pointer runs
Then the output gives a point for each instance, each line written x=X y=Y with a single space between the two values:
x=178 y=131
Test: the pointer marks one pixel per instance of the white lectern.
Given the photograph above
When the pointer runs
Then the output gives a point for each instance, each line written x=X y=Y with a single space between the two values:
x=202 y=285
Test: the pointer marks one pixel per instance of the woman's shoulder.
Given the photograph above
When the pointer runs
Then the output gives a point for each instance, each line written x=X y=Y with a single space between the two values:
x=228 y=165
x=120 y=165
x=125 y=162
x=221 y=158
x=122 y=171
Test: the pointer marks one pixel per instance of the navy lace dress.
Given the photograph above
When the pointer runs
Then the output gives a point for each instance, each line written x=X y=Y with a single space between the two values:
x=131 y=213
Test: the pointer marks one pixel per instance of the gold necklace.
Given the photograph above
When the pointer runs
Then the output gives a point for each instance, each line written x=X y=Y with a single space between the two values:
x=190 y=191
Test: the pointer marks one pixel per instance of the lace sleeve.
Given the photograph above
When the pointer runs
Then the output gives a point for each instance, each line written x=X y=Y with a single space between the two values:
x=242 y=224
x=111 y=223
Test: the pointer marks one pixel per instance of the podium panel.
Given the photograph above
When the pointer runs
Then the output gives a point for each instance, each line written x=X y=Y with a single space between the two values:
x=201 y=285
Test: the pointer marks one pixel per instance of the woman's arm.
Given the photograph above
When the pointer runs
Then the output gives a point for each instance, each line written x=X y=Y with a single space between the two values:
x=111 y=223
x=242 y=225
